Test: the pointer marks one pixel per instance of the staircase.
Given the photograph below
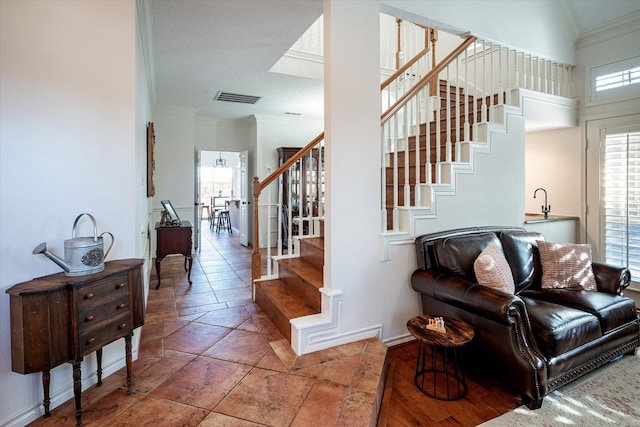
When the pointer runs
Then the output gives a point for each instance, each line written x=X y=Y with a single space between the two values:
x=427 y=139
x=452 y=99
x=296 y=291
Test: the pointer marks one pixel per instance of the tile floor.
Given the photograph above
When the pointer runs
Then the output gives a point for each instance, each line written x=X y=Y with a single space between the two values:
x=209 y=357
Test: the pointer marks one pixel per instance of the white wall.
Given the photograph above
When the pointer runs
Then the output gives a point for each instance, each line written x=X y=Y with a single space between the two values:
x=72 y=141
x=175 y=161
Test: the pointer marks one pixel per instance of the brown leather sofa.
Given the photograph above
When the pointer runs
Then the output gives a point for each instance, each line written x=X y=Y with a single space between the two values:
x=537 y=339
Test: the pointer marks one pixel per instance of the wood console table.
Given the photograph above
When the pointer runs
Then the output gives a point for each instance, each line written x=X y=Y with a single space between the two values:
x=57 y=319
x=174 y=240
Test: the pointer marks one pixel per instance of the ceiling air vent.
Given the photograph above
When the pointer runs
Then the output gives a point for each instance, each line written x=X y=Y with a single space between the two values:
x=234 y=97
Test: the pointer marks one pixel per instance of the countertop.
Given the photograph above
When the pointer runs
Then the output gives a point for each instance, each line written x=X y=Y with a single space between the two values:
x=531 y=218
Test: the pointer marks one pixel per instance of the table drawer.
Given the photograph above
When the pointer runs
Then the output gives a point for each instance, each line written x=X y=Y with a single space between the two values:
x=89 y=317
x=102 y=291
x=104 y=333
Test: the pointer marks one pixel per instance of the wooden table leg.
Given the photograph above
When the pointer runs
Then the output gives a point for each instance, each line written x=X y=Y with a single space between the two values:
x=77 y=391
x=158 y=260
x=185 y=267
x=99 y=360
x=46 y=380
x=127 y=350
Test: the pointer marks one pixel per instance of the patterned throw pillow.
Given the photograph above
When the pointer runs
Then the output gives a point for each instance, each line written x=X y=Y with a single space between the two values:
x=566 y=265
x=492 y=269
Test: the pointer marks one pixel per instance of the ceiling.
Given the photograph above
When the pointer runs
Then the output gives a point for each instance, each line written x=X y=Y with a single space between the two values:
x=200 y=47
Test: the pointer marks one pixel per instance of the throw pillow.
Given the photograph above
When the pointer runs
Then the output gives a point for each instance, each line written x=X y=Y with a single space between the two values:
x=566 y=265
x=492 y=270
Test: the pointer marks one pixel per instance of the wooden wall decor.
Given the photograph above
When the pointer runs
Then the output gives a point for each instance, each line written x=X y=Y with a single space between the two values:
x=151 y=161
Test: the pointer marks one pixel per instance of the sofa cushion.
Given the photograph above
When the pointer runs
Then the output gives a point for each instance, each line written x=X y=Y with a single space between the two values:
x=456 y=255
x=558 y=329
x=521 y=251
x=612 y=311
x=492 y=269
x=566 y=265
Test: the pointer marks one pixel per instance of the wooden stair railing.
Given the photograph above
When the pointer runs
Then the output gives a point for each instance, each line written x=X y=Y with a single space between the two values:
x=432 y=113
x=423 y=131
x=259 y=186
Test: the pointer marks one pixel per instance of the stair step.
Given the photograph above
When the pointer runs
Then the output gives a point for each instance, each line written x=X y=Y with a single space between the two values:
x=312 y=250
x=302 y=268
x=280 y=304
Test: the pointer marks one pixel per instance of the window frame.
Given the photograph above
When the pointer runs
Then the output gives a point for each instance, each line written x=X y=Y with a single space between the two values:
x=621 y=93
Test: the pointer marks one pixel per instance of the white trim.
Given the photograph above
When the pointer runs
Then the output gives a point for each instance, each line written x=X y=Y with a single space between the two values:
x=322 y=331
x=610 y=30
x=624 y=93
x=400 y=339
x=143 y=8
x=64 y=393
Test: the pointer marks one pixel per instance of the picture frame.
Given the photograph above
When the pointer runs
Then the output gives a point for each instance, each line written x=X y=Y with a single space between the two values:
x=171 y=212
x=151 y=161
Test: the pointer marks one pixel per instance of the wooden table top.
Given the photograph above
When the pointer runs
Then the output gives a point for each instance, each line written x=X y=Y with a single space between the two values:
x=458 y=332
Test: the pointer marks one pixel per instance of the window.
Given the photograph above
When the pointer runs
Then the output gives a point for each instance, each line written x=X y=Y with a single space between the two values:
x=614 y=82
x=618 y=79
x=621 y=200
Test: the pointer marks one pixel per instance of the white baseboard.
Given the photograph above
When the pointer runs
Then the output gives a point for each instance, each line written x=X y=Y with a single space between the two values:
x=321 y=331
x=61 y=395
x=401 y=339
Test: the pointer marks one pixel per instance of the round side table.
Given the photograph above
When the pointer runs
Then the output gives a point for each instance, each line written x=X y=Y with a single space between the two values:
x=448 y=383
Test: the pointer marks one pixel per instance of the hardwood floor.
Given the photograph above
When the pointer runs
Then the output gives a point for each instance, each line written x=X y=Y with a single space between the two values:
x=404 y=405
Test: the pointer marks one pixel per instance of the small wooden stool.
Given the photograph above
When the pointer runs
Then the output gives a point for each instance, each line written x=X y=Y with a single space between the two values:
x=224 y=222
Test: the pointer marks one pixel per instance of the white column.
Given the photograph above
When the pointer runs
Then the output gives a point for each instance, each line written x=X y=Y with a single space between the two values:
x=352 y=128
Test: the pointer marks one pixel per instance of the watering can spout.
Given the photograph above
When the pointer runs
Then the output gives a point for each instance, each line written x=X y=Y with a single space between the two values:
x=42 y=249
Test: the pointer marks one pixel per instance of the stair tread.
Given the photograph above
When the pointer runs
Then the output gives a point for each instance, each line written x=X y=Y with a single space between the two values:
x=288 y=303
x=305 y=270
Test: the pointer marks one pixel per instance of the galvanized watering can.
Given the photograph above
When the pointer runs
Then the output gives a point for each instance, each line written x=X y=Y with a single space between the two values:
x=82 y=255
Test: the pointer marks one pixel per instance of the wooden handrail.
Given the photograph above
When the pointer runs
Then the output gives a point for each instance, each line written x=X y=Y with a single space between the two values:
x=425 y=79
x=404 y=68
x=256 y=259
x=258 y=186
x=286 y=165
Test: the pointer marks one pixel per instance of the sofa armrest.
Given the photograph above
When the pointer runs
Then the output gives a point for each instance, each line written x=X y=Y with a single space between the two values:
x=481 y=300
x=610 y=279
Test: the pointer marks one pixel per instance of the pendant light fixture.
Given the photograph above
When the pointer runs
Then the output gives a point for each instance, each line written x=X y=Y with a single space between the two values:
x=220 y=162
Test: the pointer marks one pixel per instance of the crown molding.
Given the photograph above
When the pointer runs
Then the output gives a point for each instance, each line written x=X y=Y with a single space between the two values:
x=143 y=9
x=175 y=111
x=612 y=29
x=294 y=120
x=568 y=15
x=226 y=122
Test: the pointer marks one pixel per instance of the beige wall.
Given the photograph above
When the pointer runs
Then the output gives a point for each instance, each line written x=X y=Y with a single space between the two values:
x=553 y=162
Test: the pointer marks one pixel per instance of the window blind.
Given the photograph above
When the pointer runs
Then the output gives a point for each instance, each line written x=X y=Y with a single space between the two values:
x=621 y=201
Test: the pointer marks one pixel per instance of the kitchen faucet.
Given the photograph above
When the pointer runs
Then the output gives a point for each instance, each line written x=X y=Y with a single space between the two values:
x=545 y=208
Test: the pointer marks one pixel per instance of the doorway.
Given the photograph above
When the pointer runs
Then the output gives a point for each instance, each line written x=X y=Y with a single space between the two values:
x=220 y=184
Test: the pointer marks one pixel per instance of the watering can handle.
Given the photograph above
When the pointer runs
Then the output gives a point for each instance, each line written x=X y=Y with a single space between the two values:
x=95 y=228
x=112 y=240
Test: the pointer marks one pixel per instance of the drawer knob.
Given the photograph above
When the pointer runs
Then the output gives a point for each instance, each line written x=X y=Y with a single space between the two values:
x=90 y=318
x=91 y=340
x=122 y=326
x=88 y=296
x=120 y=306
x=120 y=286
